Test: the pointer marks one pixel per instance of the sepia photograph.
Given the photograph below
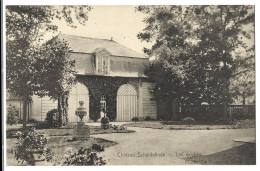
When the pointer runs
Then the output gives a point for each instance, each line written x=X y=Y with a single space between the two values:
x=105 y=85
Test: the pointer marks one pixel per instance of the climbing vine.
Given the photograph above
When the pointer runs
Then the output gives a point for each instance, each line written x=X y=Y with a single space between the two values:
x=104 y=86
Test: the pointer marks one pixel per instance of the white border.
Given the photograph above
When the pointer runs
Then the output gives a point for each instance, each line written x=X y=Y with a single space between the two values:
x=138 y=2
x=130 y=2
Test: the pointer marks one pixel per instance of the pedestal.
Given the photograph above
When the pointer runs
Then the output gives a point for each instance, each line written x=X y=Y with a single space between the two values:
x=81 y=131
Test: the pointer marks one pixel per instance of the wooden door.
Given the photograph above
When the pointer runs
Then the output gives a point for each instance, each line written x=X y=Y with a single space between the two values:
x=126 y=103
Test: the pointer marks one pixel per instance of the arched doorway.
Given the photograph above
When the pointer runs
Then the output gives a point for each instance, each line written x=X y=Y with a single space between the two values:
x=126 y=103
x=78 y=93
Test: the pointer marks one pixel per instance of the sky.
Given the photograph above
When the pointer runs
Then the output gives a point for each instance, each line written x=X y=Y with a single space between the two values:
x=122 y=23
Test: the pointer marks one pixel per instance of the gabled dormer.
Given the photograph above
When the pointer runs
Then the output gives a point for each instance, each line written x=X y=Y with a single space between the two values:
x=102 y=61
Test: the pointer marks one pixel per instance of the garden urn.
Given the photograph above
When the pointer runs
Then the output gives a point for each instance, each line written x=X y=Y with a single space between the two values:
x=81 y=111
x=81 y=131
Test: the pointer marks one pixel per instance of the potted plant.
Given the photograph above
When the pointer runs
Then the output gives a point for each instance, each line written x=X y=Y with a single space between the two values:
x=104 y=120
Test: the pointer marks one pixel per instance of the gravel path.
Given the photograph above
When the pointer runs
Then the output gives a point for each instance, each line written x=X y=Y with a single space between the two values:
x=168 y=147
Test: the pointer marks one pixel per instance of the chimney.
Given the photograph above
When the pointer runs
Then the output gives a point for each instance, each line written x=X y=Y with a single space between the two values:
x=111 y=38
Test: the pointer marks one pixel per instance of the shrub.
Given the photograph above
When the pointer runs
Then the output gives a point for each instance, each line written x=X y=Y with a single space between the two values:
x=94 y=115
x=135 y=119
x=86 y=156
x=105 y=122
x=12 y=115
x=31 y=142
x=53 y=119
x=189 y=120
x=111 y=115
x=147 y=118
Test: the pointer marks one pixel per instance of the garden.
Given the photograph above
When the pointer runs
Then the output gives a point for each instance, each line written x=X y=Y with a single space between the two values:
x=45 y=143
x=60 y=142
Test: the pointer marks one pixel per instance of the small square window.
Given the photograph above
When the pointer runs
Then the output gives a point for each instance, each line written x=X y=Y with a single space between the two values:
x=103 y=102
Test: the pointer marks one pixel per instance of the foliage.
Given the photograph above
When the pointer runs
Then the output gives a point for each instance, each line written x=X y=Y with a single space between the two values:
x=103 y=86
x=135 y=119
x=105 y=122
x=189 y=120
x=243 y=87
x=243 y=82
x=193 y=54
x=26 y=27
x=147 y=118
x=28 y=143
x=86 y=156
x=56 y=67
x=172 y=52
x=229 y=30
x=56 y=73
x=205 y=113
x=95 y=115
x=12 y=115
x=52 y=118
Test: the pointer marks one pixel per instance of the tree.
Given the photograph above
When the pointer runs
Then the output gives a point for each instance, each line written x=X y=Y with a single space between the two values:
x=194 y=47
x=222 y=30
x=25 y=30
x=56 y=74
x=175 y=68
x=243 y=81
x=178 y=69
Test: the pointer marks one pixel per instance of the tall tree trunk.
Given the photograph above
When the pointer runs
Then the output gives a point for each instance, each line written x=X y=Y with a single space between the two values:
x=64 y=110
x=225 y=103
x=224 y=60
x=60 y=109
x=244 y=98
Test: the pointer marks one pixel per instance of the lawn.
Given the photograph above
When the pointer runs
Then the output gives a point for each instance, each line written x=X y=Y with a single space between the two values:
x=241 y=155
x=61 y=142
x=180 y=125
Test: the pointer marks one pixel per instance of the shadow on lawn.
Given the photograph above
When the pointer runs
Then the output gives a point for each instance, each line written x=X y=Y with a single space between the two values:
x=241 y=155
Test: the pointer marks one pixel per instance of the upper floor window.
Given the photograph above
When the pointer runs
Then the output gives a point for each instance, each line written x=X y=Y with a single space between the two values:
x=102 y=61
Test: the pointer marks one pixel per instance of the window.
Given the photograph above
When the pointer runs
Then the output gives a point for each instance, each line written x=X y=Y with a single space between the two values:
x=103 y=102
x=102 y=62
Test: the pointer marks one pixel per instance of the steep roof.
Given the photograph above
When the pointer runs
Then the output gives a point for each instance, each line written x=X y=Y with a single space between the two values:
x=90 y=45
